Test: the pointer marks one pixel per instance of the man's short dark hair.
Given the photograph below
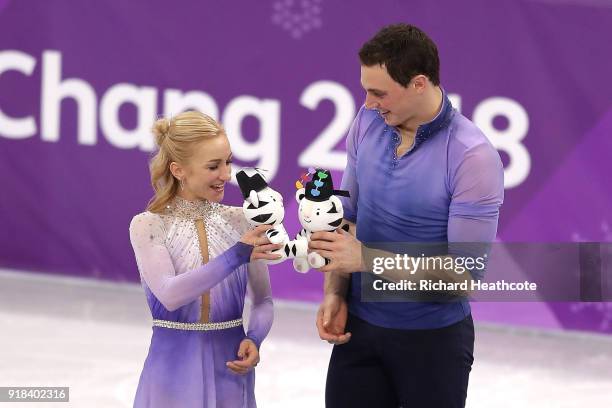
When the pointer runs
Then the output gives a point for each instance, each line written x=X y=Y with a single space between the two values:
x=405 y=50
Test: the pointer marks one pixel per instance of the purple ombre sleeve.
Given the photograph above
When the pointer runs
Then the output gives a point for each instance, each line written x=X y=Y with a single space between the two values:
x=157 y=270
x=477 y=186
x=349 y=177
x=262 y=308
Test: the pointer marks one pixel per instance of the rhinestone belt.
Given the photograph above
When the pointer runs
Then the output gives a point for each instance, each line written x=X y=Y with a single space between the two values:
x=197 y=326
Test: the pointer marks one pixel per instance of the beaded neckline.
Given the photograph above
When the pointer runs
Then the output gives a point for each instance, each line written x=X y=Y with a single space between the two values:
x=192 y=210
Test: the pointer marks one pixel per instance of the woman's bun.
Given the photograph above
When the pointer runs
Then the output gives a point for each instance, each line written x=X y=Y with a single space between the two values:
x=161 y=128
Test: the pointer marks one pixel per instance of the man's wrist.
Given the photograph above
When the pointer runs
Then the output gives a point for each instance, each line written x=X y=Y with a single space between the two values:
x=337 y=293
x=336 y=284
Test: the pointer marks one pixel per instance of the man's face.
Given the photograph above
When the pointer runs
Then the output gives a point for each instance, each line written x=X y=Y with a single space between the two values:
x=395 y=103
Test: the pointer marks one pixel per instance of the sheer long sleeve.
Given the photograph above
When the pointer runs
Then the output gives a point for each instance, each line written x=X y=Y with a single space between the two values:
x=262 y=309
x=147 y=235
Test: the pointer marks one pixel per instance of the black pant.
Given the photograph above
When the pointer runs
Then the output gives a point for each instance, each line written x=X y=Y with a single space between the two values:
x=380 y=368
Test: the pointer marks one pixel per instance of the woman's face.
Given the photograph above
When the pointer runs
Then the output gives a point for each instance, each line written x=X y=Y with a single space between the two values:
x=208 y=169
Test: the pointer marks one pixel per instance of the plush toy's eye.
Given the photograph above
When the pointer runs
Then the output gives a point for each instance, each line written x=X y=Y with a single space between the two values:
x=318 y=212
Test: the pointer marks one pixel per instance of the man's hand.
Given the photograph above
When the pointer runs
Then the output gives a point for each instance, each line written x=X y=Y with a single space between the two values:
x=331 y=320
x=249 y=357
x=341 y=248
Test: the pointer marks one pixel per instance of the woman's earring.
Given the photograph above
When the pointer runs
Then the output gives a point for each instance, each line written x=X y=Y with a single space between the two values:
x=182 y=184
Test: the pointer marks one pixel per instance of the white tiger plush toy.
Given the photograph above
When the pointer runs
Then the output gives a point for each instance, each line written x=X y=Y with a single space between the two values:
x=264 y=206
x=319 y=210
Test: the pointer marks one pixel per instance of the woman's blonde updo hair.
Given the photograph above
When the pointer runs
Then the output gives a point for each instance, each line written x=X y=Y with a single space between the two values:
x=176 y=139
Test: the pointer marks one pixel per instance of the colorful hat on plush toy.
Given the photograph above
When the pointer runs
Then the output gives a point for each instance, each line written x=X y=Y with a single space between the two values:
x=250 y=179
x=321 y=187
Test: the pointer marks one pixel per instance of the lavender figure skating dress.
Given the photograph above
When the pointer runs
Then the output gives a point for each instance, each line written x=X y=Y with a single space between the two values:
x=197 y=306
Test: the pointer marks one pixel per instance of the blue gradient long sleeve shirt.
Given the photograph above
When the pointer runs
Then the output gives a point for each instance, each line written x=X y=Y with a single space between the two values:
x=447 y=188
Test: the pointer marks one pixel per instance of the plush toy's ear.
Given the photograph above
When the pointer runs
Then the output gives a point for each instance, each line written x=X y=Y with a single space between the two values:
x=253 y=198
x=300 y=194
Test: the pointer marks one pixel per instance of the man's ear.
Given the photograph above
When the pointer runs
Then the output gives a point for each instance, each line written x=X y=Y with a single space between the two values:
x=420 y=83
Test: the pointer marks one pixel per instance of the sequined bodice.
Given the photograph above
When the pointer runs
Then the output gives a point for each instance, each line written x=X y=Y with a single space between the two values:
x=191 y=210
x=176 y=230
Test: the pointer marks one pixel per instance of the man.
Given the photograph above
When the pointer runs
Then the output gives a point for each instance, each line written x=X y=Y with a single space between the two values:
x=418 y=172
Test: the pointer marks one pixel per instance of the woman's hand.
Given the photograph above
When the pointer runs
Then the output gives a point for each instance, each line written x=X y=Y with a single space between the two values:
x=331 y=320
x=248 y=358
x=261 y=244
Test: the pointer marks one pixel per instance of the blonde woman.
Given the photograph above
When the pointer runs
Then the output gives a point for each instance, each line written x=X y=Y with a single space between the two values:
x=197 y=259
